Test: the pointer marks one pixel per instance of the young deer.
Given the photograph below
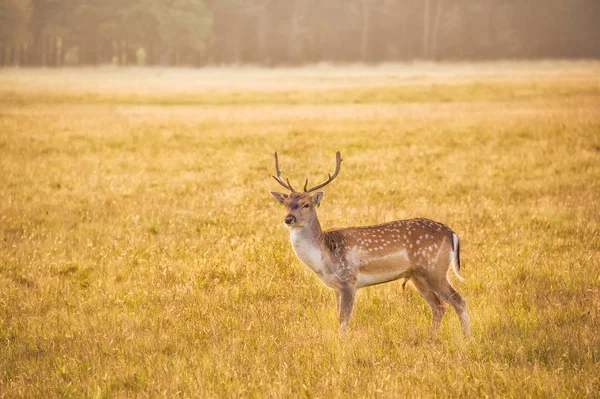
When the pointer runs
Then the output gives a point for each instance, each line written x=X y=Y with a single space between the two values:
x=416 y=250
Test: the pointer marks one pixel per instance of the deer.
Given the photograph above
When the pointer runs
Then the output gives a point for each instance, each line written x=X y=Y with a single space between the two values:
x=418 y=250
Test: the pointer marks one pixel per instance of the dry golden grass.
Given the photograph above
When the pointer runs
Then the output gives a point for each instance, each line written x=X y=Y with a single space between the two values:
x=141 y=255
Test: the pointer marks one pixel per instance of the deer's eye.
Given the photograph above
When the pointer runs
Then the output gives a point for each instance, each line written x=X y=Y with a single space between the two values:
x=305 y=206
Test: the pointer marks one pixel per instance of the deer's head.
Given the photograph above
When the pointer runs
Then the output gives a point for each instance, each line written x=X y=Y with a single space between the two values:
x=301 y=206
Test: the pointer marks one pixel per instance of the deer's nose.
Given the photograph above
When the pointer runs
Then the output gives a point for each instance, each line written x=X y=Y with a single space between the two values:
x=289 y=219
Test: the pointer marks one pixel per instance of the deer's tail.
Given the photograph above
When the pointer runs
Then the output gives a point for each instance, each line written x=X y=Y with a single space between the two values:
x=455 y=256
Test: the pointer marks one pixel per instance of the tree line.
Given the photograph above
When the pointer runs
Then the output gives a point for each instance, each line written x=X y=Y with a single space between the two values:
x=54 y=33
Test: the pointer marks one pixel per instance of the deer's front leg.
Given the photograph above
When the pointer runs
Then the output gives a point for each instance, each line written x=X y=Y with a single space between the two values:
x=346 y=301
x=337 y=302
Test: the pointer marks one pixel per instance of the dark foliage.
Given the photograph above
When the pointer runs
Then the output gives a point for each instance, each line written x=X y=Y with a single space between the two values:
x=269 y=32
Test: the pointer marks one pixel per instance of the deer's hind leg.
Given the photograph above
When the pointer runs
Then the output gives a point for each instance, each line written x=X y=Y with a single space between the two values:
x=433 y=300
x=448 y=294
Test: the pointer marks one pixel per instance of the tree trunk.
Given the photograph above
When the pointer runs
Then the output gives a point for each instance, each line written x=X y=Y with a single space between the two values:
x=25 y=54
x=262 y=34
x=51 y=47
x=150 y=55
x=43 y=51
x=36 y=47
x=426 y=7
x=364 y=37
x=237 y=44
x=21 y=55
x=165 y=55
x=402 y=53
x=7 y=60
x=123 y=52
x=92 y=49
x=58 y=51
x=435 y=29
x=294 y=39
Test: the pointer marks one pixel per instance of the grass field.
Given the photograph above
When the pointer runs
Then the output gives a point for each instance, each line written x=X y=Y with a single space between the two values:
x=141 y=254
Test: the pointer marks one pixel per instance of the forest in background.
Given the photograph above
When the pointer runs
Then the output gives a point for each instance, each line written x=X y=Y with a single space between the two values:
x=55 y=33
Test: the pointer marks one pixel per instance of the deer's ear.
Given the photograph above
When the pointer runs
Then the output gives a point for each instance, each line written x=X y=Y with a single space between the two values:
x=317 y=197
x=280 y=197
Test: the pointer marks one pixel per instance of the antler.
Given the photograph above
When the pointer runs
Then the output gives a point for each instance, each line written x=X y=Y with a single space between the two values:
x=278 y=178
x=338 y=162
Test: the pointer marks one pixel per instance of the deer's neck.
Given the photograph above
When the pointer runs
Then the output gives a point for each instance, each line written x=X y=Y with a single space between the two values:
x=309 y=244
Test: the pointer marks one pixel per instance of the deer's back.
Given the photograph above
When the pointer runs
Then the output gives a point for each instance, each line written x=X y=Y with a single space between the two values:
x=393 y=250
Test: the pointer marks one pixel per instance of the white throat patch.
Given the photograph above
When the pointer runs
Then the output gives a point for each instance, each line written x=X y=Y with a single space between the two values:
x=306 y=251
